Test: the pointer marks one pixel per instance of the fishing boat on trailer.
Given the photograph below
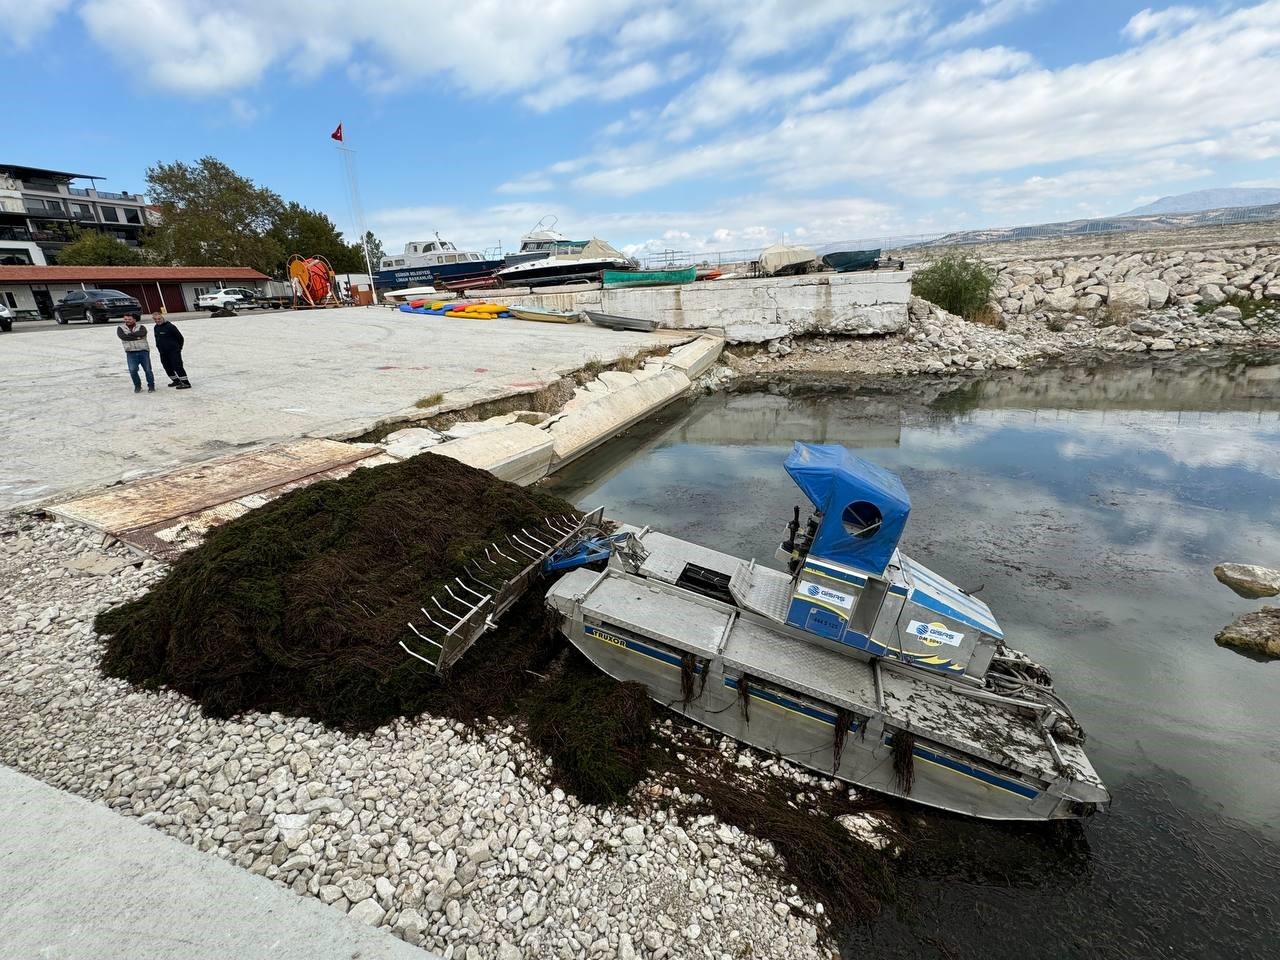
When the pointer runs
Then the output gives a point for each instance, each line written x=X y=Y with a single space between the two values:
x=436 y=262
x=857 y=662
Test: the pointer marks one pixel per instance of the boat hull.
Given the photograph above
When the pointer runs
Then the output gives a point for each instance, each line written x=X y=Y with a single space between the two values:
x=802 y=732
x=847 y=261
x=614 y=322
x=545 y=316
x=780 y=690
x=648 y=278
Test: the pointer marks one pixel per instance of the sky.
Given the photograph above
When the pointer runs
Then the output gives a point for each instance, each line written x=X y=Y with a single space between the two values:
x=690 y=125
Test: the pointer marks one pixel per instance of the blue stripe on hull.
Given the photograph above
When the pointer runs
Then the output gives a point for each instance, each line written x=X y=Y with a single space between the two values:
x=787 y=704
x=968 y=770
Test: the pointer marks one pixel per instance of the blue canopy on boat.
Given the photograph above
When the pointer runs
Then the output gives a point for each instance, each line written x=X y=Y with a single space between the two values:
x=864 y=507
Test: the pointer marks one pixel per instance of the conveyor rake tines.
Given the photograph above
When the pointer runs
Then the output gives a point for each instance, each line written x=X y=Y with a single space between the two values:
x=470 y=604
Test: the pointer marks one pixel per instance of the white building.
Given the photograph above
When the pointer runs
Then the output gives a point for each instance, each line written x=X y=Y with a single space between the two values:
x=41 y=212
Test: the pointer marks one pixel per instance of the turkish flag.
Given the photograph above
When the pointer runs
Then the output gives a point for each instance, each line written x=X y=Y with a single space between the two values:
x=337 y=134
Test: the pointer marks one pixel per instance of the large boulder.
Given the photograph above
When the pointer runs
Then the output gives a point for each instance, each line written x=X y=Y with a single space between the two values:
x=1073 y=273
x=1255 y=634
x=1060 y=300
x=1133 y=295
x=1157 y=294
x=1249 y=580
x=1211 y=294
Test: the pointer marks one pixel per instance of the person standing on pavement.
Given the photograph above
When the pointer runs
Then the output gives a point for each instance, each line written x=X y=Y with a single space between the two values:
x=137 y=352
x=169 y=343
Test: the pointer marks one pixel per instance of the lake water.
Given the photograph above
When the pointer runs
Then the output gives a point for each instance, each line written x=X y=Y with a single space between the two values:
x=1090 y=504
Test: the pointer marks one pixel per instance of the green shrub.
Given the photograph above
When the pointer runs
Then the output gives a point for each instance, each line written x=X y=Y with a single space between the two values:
x=959 y=285
x=1247 y=306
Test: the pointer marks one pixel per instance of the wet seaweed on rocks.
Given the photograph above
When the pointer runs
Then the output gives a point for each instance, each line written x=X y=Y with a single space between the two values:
x=597 y=732
x=828 y=865
x=298 y=606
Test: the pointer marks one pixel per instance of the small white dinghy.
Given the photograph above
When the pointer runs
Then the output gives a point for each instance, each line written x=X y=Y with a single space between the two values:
x=545 y=314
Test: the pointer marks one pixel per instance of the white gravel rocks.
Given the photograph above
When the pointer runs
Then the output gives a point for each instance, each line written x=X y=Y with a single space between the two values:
x=447 y=838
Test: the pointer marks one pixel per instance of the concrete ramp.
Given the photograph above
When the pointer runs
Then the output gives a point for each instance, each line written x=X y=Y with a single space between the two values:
x=162 y=515
x=84 y=883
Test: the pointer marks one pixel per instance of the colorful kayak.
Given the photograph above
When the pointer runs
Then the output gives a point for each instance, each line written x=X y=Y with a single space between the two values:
x=648 y=278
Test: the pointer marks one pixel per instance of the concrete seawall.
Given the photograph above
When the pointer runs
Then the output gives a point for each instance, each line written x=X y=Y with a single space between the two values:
x=753 y=310
x=524 y=453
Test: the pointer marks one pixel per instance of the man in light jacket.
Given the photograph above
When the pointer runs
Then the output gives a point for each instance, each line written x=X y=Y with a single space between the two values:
x=137 y=352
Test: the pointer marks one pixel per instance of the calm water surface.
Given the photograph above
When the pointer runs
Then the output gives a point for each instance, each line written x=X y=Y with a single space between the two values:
x=1090 y=504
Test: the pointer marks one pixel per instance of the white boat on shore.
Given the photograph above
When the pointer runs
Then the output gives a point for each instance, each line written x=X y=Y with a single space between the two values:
x=417 y=293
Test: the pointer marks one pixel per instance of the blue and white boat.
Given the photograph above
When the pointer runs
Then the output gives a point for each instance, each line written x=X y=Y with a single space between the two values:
x=436 y=262
x=857 y=662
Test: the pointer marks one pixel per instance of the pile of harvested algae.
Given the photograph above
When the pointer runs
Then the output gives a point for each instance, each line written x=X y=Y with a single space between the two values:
x=299 y=606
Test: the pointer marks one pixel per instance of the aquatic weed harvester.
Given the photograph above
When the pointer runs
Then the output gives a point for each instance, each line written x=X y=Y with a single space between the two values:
x=857 y=662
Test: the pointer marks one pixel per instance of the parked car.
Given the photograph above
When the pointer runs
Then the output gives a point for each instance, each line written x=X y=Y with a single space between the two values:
x=6 y=318
x=226 y=297
x=95 y=306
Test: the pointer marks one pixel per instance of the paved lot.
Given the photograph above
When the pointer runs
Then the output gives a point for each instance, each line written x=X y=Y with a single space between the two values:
x=71 y=421
x=83 y=883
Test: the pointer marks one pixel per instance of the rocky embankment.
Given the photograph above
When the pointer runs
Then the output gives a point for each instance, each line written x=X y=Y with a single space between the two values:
x=1138 y=281
x=449 y=837
x=1075 y=301
x=937 y=341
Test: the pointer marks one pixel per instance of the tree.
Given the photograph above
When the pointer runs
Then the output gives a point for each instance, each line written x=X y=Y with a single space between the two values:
x=311 y=233
x=93 y=248
x=374 y=246
x=212 y=216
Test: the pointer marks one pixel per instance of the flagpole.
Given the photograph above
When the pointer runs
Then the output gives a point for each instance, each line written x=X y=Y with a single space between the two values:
x=354 y=207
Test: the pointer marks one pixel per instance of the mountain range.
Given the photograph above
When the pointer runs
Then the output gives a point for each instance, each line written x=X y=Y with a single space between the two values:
x=1207 y=200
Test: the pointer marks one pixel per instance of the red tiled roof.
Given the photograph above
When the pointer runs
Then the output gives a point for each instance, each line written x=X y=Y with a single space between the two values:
x=124 y=274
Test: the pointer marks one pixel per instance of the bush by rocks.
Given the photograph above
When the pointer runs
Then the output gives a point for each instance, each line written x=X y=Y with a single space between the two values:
x=959 y=285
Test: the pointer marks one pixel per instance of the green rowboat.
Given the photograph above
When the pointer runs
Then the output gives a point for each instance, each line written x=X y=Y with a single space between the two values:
x=647 y=278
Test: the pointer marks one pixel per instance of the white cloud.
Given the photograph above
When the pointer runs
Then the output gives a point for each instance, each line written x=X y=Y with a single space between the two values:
x=719 y=98
x=1003 y=198
x=530 y=184
x=874 y=77
x=484 y=47
x=990 y=15
x=25 y=19
x=1148 y=22
x=885 y=26
x=737 y=223
x=1202 y=92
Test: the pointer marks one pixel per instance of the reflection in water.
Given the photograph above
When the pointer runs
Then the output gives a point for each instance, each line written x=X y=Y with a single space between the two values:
x=1090 y=505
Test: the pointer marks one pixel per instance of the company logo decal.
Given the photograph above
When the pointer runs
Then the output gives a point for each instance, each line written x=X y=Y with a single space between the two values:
x=934 y=634
x=821 y=594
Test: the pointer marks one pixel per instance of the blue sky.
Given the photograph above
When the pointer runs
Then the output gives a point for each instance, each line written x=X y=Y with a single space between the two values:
x=692 y=125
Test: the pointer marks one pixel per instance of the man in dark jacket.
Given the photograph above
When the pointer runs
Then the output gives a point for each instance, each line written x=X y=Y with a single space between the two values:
x=136 y=351
x=169 y=343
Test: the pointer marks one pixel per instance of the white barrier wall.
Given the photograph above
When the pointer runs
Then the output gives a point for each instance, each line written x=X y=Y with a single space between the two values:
x=752 y=311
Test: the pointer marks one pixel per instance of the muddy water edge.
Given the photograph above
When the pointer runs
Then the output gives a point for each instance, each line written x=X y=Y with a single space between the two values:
x=1090 y=503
